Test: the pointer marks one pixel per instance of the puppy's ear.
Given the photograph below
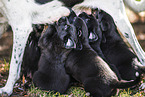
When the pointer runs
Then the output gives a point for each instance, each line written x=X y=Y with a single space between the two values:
x=84 y=16
x=62 y=21
x=71 y=16
x=81 y=27
x=105 y=25
x=44 y=39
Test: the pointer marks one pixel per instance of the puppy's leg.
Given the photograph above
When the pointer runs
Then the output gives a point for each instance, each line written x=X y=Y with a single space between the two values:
x=20 y=35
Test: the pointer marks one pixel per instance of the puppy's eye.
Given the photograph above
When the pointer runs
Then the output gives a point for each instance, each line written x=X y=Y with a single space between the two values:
x=79 y=33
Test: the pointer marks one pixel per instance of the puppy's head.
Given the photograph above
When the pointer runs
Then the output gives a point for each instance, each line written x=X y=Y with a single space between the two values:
x=82 y=30
x=61 y=35
x=93 y=27
x=106 y=23
x=67 y=33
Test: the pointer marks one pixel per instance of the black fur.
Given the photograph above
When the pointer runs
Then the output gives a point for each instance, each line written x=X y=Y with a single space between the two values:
x=51 y=73
x=96 y=39
x=32 y=52
x=115 y=50
x=88 y=68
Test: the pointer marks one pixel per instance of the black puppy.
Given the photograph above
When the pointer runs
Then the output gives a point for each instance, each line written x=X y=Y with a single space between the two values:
x=95 y=37
x=56 y=43
x=116 y=51
x=88 y=68
x=32 y=52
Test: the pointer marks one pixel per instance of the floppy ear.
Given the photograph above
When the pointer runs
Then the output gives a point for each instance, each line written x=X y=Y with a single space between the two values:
x=104 y=25
x=81 y=27
x=71 y=16
x=62 y=21
x=44 y=39
x=84 y=16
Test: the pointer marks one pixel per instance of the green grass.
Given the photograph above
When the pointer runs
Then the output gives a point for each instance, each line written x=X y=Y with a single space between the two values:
x=79 y=92
x=75 y=91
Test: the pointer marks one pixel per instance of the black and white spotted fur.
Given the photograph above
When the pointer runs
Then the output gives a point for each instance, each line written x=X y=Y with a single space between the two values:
x=22 y=14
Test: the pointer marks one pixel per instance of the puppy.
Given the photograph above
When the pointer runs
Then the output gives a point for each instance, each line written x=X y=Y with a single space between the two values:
x=116 y=51
x=88 y=68
x=56 y=43
x=32 y=52
x=95 y=37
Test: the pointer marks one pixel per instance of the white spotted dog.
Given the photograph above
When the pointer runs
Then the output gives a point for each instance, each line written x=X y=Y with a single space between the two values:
x=22 y=14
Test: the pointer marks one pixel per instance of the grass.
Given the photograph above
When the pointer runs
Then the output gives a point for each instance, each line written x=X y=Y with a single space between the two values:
x=73 y=91
x=79 y=92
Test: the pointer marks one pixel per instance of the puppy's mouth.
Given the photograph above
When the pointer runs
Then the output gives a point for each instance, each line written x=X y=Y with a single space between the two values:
x=70 y=44
x=93 y=37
